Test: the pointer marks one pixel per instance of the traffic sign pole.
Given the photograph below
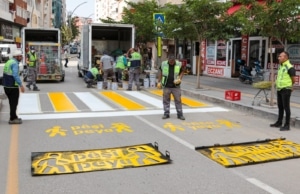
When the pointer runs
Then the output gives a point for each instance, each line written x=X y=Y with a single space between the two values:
x=158 y=18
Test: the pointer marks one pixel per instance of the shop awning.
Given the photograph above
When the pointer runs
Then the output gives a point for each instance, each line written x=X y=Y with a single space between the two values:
x=233 y=9
x=236 y=7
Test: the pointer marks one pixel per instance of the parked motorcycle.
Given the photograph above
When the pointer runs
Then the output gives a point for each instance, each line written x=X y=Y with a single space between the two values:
x=246 y=73
x=188 y=70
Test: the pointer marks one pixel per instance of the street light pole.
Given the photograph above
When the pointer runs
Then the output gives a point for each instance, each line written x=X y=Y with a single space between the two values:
x=70 y=18
x=87 y=18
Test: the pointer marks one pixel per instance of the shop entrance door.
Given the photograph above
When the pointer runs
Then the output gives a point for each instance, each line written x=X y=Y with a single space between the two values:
x=257 y=50
x=234 y=53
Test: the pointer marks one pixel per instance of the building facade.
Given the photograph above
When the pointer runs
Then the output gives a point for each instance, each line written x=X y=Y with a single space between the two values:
x=57 y=10
x=16 y=14
x=13 y=17
x=106 y=8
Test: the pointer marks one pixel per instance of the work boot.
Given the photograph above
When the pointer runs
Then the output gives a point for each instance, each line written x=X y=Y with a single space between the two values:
x=28 y=86
x=166 y=116
x=286 y=127
x=277 y=124
x=36 y=89
x=15 y=121
x=181 y=117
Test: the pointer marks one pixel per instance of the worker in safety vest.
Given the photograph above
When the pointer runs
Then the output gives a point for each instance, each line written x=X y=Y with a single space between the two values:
x=93 y=76
x=134 y=65
x=13 y=85
x=121 y=64
x=32 y=61
x=169 y=78
x=286 y=77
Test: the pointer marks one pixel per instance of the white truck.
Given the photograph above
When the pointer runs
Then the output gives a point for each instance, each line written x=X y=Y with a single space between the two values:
x=47 y=44
x=97 y=38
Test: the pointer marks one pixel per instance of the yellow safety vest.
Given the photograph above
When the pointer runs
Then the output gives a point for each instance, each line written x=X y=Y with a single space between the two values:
x=284 y=80
x=165 y=71
x=32 y=59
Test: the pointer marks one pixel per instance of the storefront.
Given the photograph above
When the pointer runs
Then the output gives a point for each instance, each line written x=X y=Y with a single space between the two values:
x=219 y=58
x=6 y=32
x=10 y=34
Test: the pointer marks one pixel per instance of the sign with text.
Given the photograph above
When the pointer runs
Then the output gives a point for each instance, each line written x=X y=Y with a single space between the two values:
x=66 y=162
x=244 y=50
x=221 y=53
x=216 y=71
x=210 y=55
x=294 y=52
x=232 y=155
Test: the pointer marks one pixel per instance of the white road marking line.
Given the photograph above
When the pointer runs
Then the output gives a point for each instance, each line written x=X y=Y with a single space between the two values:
x=94 y=103
x=116 y=113
x=167 y=133
x=29 y=104
x=263 y=186
x=257 y=183
x=150 y=100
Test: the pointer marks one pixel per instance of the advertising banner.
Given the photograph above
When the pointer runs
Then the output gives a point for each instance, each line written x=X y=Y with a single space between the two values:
x=221 y=53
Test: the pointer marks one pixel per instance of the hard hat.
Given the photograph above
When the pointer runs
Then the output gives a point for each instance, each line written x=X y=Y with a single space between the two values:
x=17 y=53
x=32 y=48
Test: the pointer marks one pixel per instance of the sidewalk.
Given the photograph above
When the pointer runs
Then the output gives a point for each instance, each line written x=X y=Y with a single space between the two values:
x=213 y=89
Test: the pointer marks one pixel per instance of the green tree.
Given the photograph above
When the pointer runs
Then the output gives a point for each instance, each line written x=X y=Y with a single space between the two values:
x=210 y=21
x=277 y=20
x=178 y=24
x=141 y=15
x=66 y=34
x=69 y=32
x=111 y=21
x=74 y=28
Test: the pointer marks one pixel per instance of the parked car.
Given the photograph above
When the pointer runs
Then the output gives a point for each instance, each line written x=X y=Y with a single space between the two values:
x=73 y=50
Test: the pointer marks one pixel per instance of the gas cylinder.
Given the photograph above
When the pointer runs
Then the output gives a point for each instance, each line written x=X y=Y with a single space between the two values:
x=43 y=68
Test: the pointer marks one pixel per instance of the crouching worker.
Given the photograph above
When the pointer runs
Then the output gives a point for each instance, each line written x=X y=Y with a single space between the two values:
x=93 y=76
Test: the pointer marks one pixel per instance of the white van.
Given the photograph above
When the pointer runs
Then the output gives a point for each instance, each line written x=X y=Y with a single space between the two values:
x=7 y=51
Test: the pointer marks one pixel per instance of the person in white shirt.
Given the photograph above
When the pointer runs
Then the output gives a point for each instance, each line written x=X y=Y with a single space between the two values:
x=107 y=68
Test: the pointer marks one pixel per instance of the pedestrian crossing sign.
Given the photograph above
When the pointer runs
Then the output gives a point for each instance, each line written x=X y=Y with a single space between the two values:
x=159 y=17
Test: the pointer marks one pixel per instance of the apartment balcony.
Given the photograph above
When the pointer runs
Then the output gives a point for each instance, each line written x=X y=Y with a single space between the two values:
x=8 y=15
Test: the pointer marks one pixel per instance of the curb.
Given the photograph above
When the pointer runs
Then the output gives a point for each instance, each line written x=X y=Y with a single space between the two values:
x=253 y=110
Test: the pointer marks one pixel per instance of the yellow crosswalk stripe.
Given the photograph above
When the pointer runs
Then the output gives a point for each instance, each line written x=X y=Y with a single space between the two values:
x=61 y=103
x=121 y=100
x=186 y=101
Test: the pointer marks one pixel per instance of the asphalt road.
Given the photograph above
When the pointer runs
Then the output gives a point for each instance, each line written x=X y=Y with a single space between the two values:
x=189 y=171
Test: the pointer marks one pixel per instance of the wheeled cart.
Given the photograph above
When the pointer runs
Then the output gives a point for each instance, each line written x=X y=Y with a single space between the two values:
x=264 y=87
